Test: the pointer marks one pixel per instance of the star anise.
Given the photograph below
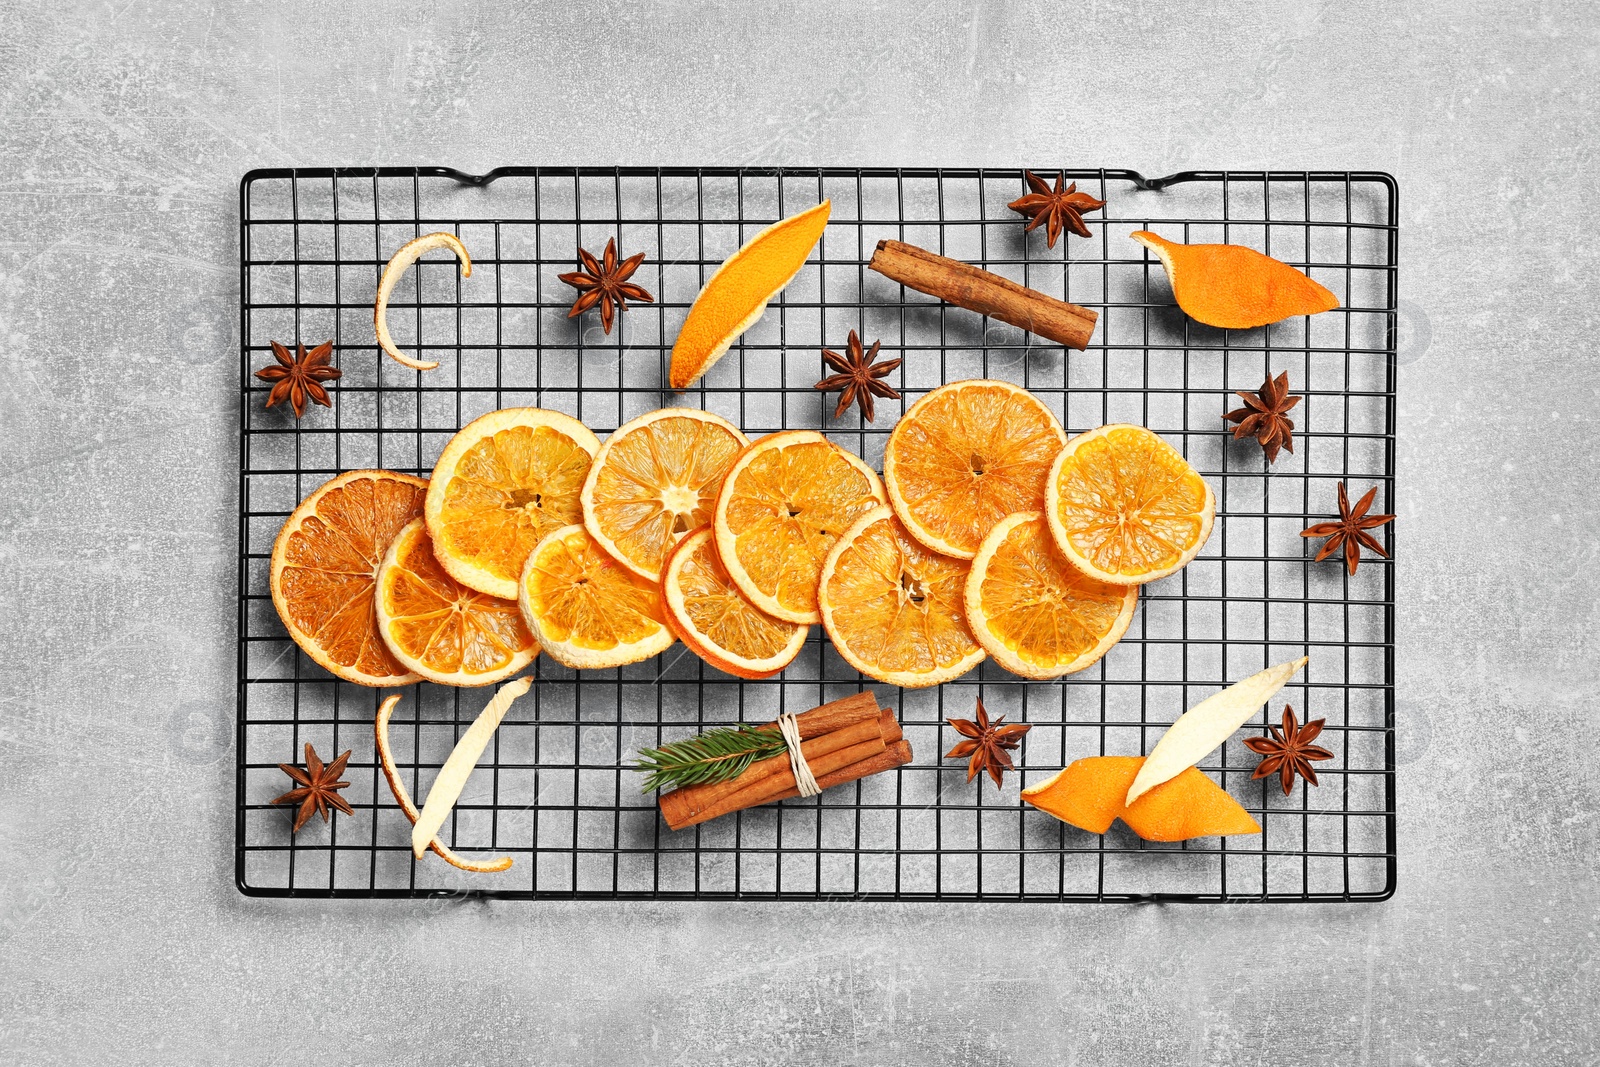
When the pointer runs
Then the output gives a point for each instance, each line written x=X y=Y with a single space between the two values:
x=318 y=787
x=301 y=376
x=987 y=744
x=1350 y=530
x=859 y=377
x=1055 y=208
x=1265 y=416
x=605 y=283
x=1289 y=751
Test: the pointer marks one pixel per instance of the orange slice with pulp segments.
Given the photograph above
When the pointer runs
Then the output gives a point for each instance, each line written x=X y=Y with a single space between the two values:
x=736 y=295
x=964 y=457
x=503 y=482
x=325 y=567
x=783 y=504
x=438 y=627
x=706 y=611
x=894 y=609
x=586 y=609
x=1035 y=613
x=1125 y=507
x=655 y=479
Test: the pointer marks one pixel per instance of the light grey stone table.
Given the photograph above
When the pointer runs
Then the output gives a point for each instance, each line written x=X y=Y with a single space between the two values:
x=124 y=129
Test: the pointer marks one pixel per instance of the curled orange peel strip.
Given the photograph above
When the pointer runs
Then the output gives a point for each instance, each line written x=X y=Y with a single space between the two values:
x=403 y=798
x=409 y=253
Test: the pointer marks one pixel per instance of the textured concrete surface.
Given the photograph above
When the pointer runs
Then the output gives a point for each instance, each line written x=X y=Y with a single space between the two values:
x=124 y=128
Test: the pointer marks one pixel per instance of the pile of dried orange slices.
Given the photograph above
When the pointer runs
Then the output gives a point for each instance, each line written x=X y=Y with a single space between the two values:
x=989 y=534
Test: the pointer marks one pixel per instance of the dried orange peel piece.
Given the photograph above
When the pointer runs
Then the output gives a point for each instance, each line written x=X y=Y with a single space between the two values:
x=1089 y=794
x=1035 y=613
x=1126 y=507
x=399 y=263
x=655 y=479
x=458 y=767
x=324 y=571
x=402 y=797
x=717 y=622
x=893 y=608
x=736 y=295
x=1233 y=287
x=1202 y=728
x=964 y=457
x=784 y=503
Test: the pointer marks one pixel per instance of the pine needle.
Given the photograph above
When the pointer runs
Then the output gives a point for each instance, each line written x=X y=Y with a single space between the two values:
x=715 y=756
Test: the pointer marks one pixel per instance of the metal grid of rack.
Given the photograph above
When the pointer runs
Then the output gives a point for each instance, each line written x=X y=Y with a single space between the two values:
x=550 y=791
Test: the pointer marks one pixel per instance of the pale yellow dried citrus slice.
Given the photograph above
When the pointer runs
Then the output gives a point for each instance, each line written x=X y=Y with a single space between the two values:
x=655 y=479
x=325 y=568
x=409 y=253
x=1034 y=612
x=785 y=501
x=438 y=627
x=894 y=609
x=1125 y=507
x=502 y=483
x=964 y=457
x=586 y=609
x=717 y=622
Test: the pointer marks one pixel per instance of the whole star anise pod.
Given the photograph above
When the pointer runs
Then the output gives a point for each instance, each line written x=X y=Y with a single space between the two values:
x=1289 y=751
x=859 y=378
x=1265 y=416
x=299 y=377
x=605 y=283
x=988 y=744
x=1055 y=208
x=318 y=789
x=1349 y=532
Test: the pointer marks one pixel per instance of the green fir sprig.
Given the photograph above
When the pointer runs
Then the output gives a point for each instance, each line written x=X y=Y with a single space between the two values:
x=715 y=756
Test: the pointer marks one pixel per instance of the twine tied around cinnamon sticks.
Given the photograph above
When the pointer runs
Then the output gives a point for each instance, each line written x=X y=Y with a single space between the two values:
x=838 y=742
x=805 y=781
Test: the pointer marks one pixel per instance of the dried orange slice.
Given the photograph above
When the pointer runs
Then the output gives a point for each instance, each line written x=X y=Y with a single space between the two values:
x=655 y=479
x=399 y=263
x=1035 y=613
x=736 y=295
x=1125 y=507
x=586 y=609
x=964 y=457
x=785 y=501
x=438 y=627
x=1234 y=287
x=894 y=609
x=325 y=567
x=706 y=611
x=503 y=482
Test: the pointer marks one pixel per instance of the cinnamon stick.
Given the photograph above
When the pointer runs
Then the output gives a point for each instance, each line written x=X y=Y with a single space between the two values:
x=988 y=294
x=896 y=755
x=845 y=711
x=829 y=769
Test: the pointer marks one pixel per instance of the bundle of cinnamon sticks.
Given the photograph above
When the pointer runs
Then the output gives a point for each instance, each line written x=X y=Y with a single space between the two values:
x=841 y=741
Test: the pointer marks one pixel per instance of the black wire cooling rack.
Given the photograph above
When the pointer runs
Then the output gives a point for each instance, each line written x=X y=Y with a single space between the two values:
x=550 y=791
